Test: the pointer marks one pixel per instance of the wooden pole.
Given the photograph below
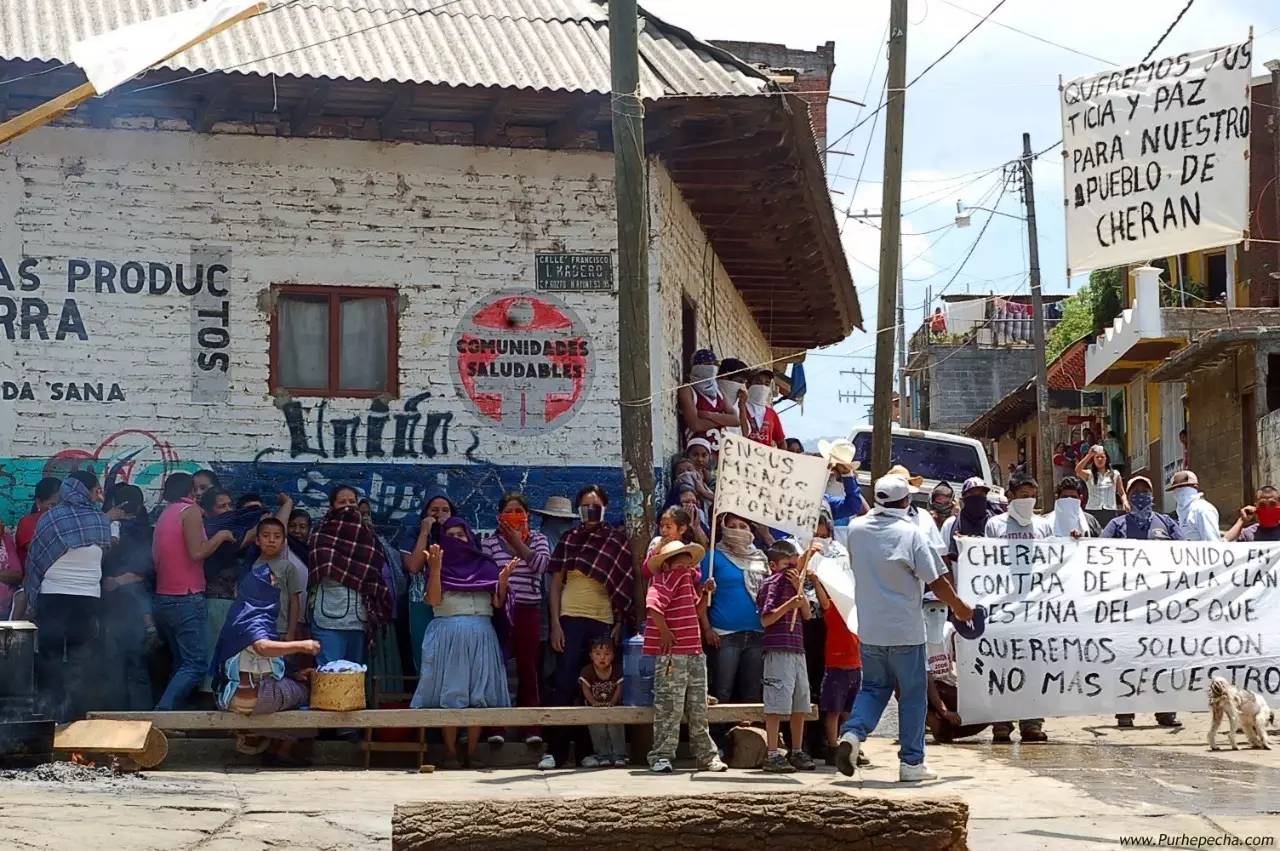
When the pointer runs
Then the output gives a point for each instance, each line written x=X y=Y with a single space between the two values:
x=51 y=110
x=1044 y=453
x=890 y=235
x=632 y=191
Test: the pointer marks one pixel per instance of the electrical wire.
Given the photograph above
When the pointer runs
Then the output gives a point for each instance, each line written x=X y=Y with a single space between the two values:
x=1030 y=35
x=1165 y=34
x=917 y=77
x=34 y=74
x=866 y=90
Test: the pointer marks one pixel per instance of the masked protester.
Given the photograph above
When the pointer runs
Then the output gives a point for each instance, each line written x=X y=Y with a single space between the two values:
x=942 y=503
x=704 y=409
x=1144 y=523
x=1069 y=518
x=975 y=510
x=592 y=578
x=1197 y=518
x=1260 y=521
x=758 y=420
x=1020 y=523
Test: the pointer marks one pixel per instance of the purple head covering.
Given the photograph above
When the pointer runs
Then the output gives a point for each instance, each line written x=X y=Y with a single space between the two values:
x=466 y=567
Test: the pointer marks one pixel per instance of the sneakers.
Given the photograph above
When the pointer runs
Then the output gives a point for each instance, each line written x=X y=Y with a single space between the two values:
x=848 y=753
x=620 y=762
x=776 y=763
x=862 y=760
x=716 y=765
x=594 y=762
x=1124 y=722
x=1001 y=737
x=1033 y=735
x=547 y=763
x=801 y=760
x=662 y=765
x=914 y=773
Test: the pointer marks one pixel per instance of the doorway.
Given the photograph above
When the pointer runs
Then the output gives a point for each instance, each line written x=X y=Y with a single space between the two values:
x=1249 y=443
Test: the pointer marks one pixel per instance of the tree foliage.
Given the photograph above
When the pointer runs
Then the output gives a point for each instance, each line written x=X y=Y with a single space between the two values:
x=1089 y=311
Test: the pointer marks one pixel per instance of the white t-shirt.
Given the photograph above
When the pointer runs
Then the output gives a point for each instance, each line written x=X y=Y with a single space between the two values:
x=78 y=573
x=1102 y=490
x=1201 y=521
x=892 y=560
x=941 y=658
x=1004 y=526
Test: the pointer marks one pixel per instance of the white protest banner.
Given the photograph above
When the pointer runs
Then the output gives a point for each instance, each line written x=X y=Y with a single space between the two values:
x=836 y=576
x=117 y=56
x=1095 y=627
x=781 y=489
x=1156 y=158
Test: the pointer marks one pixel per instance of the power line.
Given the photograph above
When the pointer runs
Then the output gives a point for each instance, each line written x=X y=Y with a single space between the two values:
x=1161 y=39
x=866 y=90
x=917 y=77
x=1030 y=35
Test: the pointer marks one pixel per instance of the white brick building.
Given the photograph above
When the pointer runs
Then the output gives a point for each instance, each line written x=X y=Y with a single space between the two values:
x=175 y=263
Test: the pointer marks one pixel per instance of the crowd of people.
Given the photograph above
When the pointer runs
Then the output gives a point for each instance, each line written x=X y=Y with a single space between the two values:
x=141 y=607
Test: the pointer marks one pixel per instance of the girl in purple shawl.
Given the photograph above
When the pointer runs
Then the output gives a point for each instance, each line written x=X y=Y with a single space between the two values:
x=462 y=664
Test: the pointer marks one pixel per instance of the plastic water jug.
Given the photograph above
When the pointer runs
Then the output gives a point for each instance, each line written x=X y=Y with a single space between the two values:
x=637 y=672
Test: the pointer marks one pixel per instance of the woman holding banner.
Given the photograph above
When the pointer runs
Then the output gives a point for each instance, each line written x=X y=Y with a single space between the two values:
x=736 y=654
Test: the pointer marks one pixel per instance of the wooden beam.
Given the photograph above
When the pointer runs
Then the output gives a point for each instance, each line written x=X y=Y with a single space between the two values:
x=564 y=131
x=533 y=716
x=494 y=121
x=396 y=116
x=303 y=118
x=214 y=105
x=46 y=112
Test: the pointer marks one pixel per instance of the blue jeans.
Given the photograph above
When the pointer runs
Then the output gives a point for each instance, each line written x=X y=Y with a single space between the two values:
x=885 y=668
x=181 y=621
x=737 y=668
x=337 y=644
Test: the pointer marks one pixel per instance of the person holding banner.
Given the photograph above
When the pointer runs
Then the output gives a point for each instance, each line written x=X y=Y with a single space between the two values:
x=1020 y=523
x=1197 y=518
x=783 y=609
x=975 y=511
x=1264 y=515
x=1144 y=523
x=737 y=653
x=892 y=560
x=1069 y=519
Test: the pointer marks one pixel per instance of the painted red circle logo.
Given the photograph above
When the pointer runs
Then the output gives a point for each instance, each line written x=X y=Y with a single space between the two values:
x=523 y=361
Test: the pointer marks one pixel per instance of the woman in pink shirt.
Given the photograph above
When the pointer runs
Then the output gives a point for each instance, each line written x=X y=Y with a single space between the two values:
x=180 y=547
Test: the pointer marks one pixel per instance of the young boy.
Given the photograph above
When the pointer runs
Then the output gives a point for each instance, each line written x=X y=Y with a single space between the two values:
x=672 y=633
x=271 y=543
x=601 y=683
x=783 y=610
x=842 y=659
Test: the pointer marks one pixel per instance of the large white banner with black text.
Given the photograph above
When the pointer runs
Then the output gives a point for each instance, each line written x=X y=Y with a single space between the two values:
x=1156 y=158
x=1103 y=626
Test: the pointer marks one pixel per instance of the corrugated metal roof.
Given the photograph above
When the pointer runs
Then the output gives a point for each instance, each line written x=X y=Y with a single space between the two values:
x=526 y=44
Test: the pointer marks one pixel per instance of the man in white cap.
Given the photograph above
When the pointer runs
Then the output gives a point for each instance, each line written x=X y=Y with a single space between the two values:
x=892 y=561
x=1197 y=518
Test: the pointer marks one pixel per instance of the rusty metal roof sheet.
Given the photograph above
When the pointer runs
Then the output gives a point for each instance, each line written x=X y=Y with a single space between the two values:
x=550 y=45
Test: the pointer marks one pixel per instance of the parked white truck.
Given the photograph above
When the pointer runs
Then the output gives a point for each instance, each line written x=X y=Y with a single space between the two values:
x=935 y=455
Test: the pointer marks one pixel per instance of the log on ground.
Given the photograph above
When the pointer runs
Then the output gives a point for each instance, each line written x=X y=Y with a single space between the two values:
x=810 y=820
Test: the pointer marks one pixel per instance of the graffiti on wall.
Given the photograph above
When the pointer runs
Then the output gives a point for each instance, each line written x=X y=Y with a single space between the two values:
x=409 y=433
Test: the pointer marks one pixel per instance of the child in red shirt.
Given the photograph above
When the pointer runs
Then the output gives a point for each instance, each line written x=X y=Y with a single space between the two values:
x=673 y=633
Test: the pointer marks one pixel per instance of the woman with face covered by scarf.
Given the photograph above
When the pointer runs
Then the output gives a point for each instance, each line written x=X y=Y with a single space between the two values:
x=592 y=582
x=416 y=534
x=352 y=600
x=248 y=660
x=462 y=663
x=737 y=569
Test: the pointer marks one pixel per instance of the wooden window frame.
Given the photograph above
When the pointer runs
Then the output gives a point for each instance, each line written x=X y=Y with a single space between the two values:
x=334 y=295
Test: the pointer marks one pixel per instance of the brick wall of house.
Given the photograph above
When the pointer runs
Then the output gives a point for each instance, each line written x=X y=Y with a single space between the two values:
x=965 y=381
x=1214 y=435
x=812 y=70
x=445 y=225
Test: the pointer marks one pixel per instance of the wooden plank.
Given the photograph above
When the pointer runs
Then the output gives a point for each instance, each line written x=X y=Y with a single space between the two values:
x=565 y=130
x=494 y=121
x=303 y=119
x=98 y=735
x=395 y=118
x=46 y=112
x=546 y=716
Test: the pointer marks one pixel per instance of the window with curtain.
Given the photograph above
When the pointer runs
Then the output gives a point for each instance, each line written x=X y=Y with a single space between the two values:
x=334 y=341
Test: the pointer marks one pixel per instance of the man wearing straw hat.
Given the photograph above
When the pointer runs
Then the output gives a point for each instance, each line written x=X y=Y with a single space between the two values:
x=843 y=495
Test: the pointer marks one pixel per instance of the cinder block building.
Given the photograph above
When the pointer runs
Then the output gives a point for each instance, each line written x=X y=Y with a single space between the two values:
x=375 y=245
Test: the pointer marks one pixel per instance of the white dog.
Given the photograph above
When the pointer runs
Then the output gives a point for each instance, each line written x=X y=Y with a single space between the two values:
x=1241 y=708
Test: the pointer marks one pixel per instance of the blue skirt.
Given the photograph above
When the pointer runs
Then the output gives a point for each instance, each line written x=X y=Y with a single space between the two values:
x=462 y=665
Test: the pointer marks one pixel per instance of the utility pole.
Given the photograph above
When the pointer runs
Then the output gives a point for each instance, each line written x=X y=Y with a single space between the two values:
x=890 y=235
x=904 y=414
x=1044 y=453
x=631 y=190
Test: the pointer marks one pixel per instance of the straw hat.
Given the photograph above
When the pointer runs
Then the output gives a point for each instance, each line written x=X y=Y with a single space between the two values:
x=838 y=451
x=914 y=481
x=674 y=548
x=557 y=506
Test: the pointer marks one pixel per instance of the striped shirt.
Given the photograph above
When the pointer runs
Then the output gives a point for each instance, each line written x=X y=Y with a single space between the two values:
x=525 y=585
x=787 y=632
x=674 y=595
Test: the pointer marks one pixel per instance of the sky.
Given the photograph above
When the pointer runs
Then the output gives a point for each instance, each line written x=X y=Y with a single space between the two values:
x=966 y=116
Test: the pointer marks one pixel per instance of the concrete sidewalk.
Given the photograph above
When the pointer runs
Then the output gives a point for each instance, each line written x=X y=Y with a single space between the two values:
x=1088 y=787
